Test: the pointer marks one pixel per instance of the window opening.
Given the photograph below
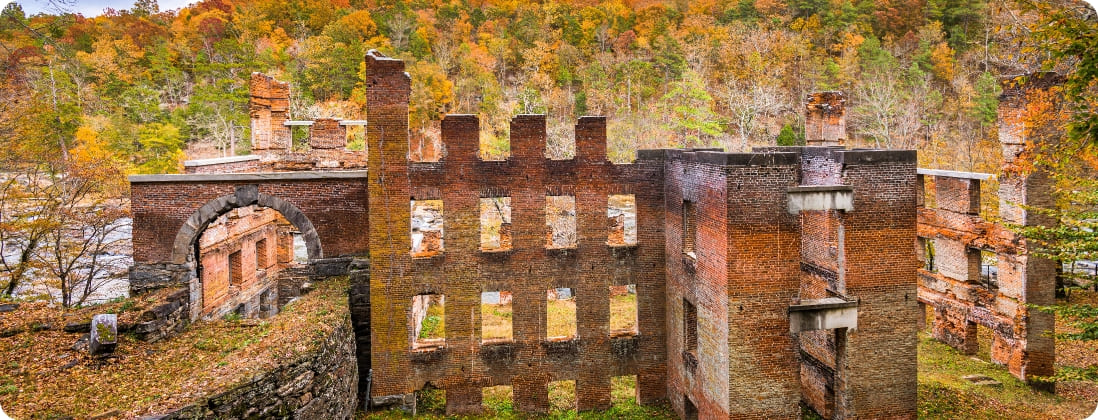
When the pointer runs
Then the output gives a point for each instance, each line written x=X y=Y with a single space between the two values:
x=496 y=317
x=621 y=215
x=560 y=216
x=428 y=321
x=623 y=310
x=495 y=224
x=689 y=228
x=560 y=314
x=427 y=228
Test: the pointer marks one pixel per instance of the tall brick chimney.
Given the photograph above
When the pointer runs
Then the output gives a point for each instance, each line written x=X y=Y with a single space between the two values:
x=825 y=119
x=269 y=107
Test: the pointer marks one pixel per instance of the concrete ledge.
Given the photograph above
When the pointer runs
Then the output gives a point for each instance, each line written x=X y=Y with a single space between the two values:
x=820 y=197
x=219 y=161
x=823 y=314
x=252 y=176
x=352 y=122
x=297 y=123
x=954 y=174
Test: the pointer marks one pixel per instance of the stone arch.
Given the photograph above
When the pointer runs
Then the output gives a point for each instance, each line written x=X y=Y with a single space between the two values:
x=244 y=196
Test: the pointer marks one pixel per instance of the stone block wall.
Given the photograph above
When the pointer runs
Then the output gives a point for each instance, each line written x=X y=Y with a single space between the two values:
x=322 y=384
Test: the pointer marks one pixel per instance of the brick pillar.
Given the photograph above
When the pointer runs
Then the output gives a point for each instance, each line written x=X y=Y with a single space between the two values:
x=824 y=119
x=388 y=89
x=1020 y=186
x=269 y=107
x=881 y=268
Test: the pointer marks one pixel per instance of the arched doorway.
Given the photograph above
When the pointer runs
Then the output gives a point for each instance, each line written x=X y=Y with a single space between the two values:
x=241 y=253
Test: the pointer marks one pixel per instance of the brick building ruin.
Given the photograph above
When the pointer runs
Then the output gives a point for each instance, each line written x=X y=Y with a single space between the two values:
x=978 y=273
x=763 y=281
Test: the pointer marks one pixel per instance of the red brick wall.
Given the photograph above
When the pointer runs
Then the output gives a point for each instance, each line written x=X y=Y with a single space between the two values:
x=335 y=206
x=238 y=231
x=1021 y=336
x=462 y=271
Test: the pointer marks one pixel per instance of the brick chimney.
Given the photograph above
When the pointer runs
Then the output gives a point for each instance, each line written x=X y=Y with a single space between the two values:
x=825 y=119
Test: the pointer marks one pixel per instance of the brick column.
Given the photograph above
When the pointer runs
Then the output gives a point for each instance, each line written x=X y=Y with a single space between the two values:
x=825 y=119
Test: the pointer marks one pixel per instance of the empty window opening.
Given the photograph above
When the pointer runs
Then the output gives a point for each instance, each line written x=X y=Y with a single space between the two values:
x=497 y=400
x=301 y=251
x=424 y=141
x=623 y=389
x=989 y=269
x=236 y=276
x=261 y=260
x=426 y=228
x=689 y=326
x=495 y=317
x=356 y=138
x=299 y=137
x=560 y=135
x=621 y=215
x=562 y=396
x=495 y=142
x=428 y=321
x=689 y=410
x=689 y=228
x=623 y=310
x=560 y=216
x=495 y=224
x=930 y=200
x=928 y=256
x=431 y=400
x=560 y=314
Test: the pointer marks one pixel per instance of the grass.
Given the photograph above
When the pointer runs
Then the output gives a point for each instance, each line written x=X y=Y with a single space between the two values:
x=498 y=402
x=623 y=312
x=561 y=317
x=496 y=322
x=943 y=394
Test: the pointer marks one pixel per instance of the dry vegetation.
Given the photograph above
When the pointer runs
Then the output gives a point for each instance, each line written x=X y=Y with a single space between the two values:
x=43 y=377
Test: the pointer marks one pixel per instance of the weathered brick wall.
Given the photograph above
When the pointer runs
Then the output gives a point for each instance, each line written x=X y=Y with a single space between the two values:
x=461 y=272
x=235 y=164
x=335 y=205
x=241 y=230
x=877 y=374
x=824 y=121
x=326 y=133
x=1020 y=335
x=269 y=108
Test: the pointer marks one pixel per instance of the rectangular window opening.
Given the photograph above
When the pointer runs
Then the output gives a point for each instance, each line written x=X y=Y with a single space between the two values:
x=928 y=255
x=497 y=400
x=989 y=269
x=621 y=215
x=427 y=228
x=560 y=216
x=560 y=314
x=689 y=228
x=623 y=389
x=236 y=276
x=560 y=136
x=562 y=396
x=428 y=321
x=689 y=326
x=495 y=224
x=496 y=317
x=300 y=250
x=623 y=310
x=299 y=138
x=356 y=138
x=261 y=257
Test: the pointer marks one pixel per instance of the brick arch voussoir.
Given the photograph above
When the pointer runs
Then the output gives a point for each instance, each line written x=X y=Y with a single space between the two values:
x=244 y=196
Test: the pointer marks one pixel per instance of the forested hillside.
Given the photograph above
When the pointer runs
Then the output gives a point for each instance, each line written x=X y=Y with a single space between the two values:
x=139 y=87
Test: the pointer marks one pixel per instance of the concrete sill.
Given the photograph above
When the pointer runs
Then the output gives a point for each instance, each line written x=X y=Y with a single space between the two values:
x=497 y=251
x=497 y=342
x=825 y=303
